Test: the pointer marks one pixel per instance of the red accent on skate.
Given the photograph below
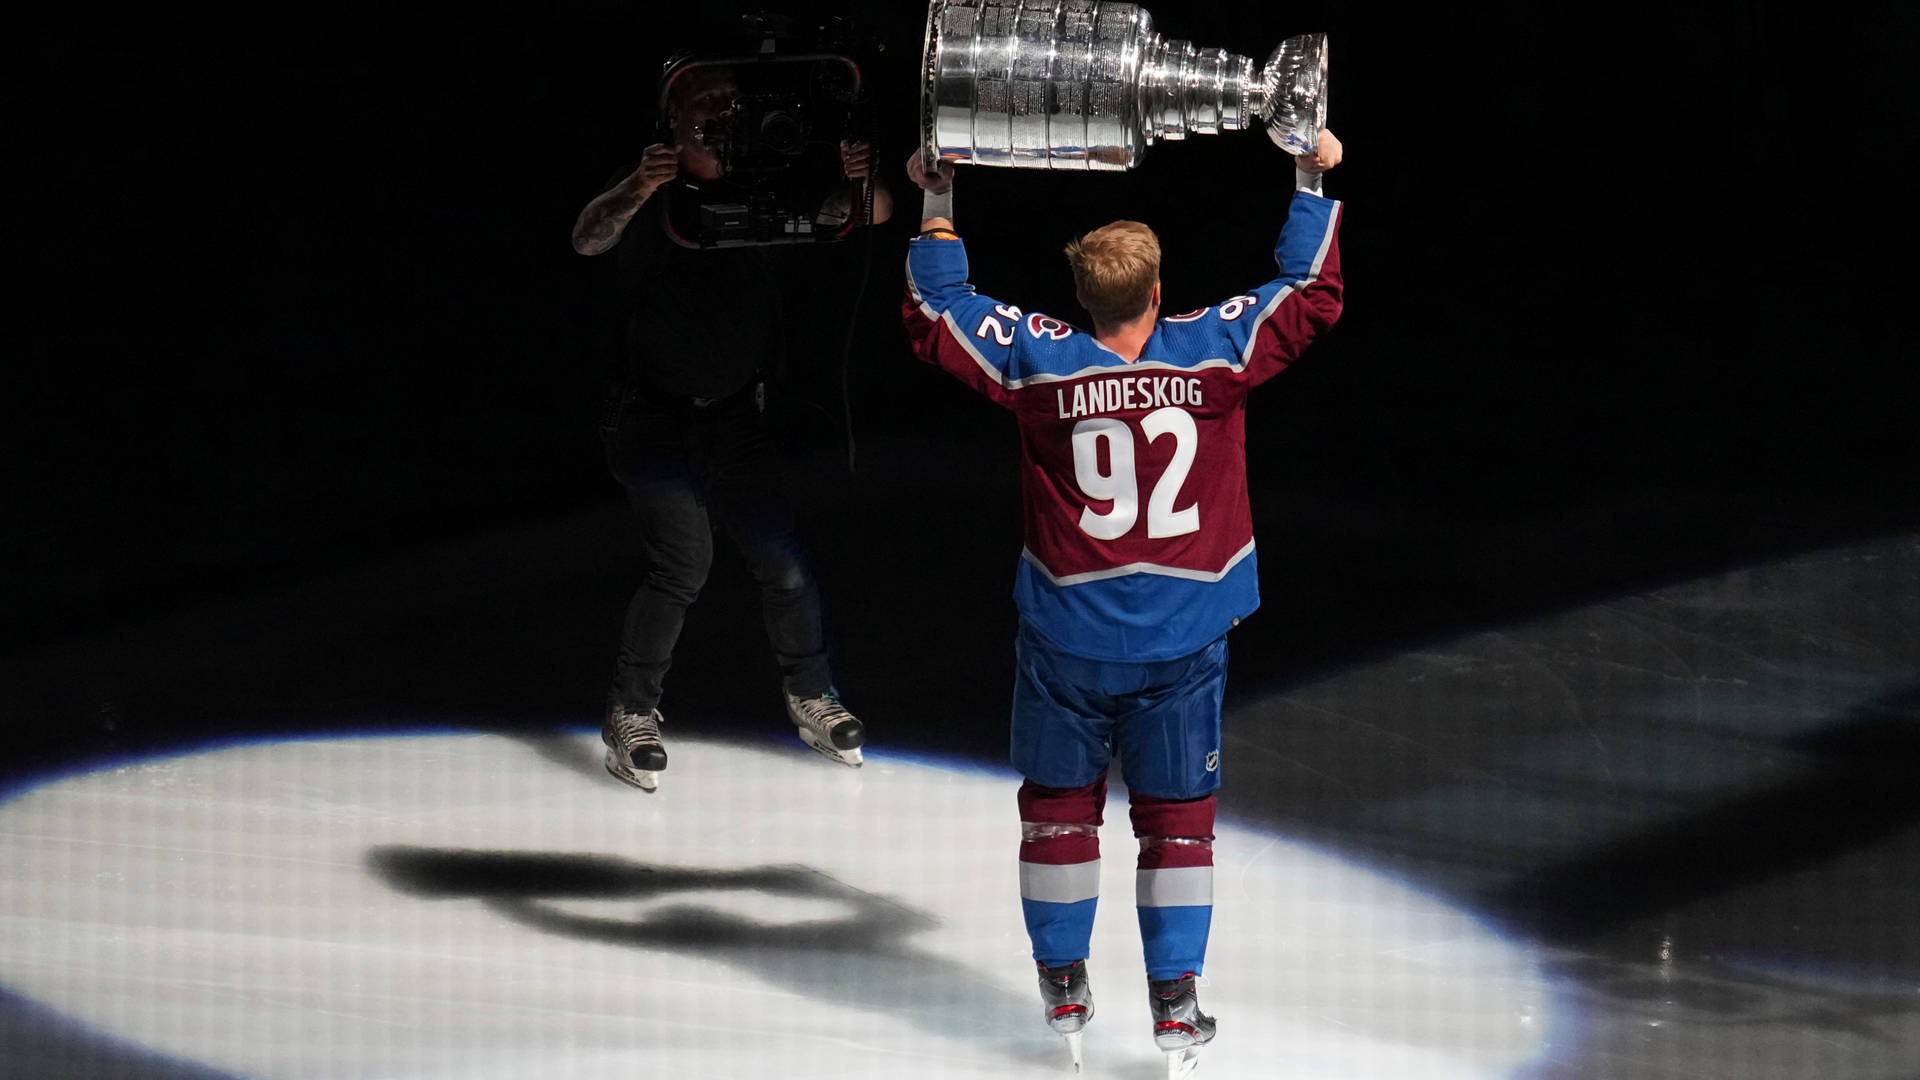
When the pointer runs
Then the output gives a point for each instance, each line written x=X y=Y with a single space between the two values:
x=1170 y=1025
x=1157 y=817
x=1065 y=1010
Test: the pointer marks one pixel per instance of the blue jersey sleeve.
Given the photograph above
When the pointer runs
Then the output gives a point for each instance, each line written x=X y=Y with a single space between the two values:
x=954 y=327
x=1269 y=328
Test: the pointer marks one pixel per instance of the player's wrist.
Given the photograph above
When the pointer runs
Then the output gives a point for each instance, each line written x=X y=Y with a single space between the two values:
x=1307 y=181
x=936 y=204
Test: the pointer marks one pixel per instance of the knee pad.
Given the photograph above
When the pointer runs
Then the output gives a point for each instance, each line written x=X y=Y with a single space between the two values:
x=1173 y=832
x=1061 y=824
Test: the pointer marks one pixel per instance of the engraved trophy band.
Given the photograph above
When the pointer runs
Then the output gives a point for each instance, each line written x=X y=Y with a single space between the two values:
x=1083 y=84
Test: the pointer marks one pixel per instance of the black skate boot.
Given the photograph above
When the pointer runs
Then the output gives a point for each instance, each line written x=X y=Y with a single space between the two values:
x=1068 y=999
x=1179 y=1027
x=634 y=751
x=827 y=726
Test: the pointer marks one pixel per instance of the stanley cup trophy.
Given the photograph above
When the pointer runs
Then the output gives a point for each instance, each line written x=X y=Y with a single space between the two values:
x=1084 y=84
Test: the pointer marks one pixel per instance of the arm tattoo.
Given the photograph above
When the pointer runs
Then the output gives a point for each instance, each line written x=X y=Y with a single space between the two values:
x=601 y=223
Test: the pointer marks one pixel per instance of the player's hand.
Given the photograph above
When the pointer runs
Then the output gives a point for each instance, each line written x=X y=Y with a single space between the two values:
x=856 y=158
x=939 y=181
x=659 y=163
x=1325 y=157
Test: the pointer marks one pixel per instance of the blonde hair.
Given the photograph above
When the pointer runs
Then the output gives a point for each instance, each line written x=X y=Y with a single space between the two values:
x=1114 y=270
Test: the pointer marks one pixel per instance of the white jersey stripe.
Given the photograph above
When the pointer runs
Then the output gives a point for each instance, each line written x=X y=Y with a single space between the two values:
x=1126 y=369
x=1253 y=337
x=946 y=318
x=966 y=343
x=1320 y=256
x=1138 y=568
x=1313 y=274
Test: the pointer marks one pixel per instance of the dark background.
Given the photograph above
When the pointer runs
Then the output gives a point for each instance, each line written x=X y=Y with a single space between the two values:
x=300 y=432
x=297 y=297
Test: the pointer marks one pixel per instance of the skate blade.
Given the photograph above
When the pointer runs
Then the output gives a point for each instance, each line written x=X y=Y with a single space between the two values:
x=1182 y=1063
x=640 y=778
x=1073 y=1047
x=844 y=757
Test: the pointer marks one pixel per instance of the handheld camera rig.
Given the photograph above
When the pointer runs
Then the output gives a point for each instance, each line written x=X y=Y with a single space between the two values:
x=773 y=120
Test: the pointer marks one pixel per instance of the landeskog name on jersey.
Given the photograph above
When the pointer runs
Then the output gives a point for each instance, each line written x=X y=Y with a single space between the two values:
x=1095 y=397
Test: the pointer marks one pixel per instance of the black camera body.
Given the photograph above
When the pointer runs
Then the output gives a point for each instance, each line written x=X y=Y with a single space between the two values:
x=773 y=122
x=763 y=132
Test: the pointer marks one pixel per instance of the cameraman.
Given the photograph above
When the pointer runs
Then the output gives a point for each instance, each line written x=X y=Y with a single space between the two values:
x=686 y=436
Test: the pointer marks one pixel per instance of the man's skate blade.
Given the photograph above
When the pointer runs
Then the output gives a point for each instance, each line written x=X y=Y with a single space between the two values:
x=640 y=778
x=844 y=757
x=1073 y=1047
x=1182 y=1063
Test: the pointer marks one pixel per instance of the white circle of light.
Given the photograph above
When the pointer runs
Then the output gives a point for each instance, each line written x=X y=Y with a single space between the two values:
x=469 y=905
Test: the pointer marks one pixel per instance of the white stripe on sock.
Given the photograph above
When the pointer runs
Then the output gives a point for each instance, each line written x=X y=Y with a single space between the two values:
x=1060 y=884
x=1175 y=886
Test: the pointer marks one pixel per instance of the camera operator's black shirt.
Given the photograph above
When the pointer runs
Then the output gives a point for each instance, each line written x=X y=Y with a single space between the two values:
x=704 y=322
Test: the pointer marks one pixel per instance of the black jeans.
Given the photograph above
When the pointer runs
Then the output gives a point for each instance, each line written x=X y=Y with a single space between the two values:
x=690 y=466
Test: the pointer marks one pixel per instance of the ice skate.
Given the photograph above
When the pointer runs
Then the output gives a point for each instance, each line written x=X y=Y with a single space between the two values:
x=827 y=726
x=1179 y=1027
x=1068 y=999
x=635 y=754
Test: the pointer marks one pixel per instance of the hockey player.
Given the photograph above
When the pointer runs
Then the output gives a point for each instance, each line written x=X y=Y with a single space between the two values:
x=1139 y=558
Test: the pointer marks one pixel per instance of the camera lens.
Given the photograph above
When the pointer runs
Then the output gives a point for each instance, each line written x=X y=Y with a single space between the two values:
x=782 y=132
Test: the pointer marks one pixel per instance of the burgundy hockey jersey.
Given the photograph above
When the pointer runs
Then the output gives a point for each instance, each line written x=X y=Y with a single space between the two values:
x=1139 y=541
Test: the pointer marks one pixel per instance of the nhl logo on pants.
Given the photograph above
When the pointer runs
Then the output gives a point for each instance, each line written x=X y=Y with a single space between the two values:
x=1213 y=760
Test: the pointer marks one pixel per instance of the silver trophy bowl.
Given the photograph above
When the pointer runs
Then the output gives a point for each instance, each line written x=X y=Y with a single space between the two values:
x=1082 y=84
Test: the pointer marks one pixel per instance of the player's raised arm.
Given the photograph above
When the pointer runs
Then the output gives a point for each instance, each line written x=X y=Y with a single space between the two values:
x=952 y=326
x=936 y=192
x=1272 y=326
